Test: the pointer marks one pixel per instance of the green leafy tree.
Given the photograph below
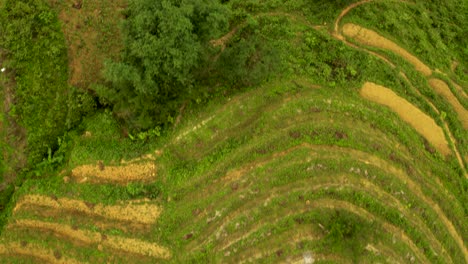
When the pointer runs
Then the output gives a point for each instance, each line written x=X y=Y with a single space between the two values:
x=164 y=42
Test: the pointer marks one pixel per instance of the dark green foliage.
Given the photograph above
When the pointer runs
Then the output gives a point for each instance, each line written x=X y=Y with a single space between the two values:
x=79 y=105
x=163 y=45
x=35 y=48
x=347 y=234
x=43 y=103
x=252 y=56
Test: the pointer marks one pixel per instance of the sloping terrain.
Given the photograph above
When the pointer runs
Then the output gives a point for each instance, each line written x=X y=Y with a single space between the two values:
x=294 y=171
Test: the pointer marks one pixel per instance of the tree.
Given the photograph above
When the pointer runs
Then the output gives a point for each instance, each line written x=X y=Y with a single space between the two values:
x=164 y=41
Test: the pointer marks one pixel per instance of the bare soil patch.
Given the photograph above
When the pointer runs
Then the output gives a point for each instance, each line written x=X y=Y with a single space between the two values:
x=443 y=89
x=130 y=245
x=143 y=213
x=92 y=33
x=42 y=254
x=129 y=172
x=80 y=219
x=371 y=38
x=424 y=124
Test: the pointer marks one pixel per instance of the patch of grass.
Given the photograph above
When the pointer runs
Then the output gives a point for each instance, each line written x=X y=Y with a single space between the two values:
x=293 y=163
x=286 y=118
x=100 y=137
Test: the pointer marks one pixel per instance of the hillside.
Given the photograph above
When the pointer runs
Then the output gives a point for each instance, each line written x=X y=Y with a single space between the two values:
x=350 y=147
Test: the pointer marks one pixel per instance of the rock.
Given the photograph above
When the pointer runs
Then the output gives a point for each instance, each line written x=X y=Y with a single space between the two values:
x=77 y=5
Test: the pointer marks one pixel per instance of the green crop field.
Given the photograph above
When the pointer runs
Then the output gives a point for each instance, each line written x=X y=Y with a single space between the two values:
x=288 y=131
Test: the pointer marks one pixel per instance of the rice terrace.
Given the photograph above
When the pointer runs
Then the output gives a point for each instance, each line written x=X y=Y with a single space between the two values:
x=234 y=131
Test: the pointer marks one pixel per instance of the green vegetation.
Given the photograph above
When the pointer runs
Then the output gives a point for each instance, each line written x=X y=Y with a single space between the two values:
x=164 y=44
x=432 y=30
x=206 y=131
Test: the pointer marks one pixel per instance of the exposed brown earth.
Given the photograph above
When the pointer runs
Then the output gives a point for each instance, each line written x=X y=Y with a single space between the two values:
x=90 y=38
x=346 y=11
x=130 y=245
x=144 y=213
x=38 y=253
x=371 y=38
x=142 y=172
x=421 y=122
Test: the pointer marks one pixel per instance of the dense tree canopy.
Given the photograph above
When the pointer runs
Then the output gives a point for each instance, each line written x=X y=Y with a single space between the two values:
x=164 y=43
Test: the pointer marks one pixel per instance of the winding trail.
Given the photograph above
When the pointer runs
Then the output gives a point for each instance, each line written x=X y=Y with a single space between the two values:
x=371 y=38
x=343 y=13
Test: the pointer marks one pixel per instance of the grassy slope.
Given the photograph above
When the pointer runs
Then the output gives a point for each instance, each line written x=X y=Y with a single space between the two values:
x=280 y=170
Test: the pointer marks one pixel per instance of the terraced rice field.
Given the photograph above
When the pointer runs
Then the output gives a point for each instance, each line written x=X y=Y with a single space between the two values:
x=302 y=176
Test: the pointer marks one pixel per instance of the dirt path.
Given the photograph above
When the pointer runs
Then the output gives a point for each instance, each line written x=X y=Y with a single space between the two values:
x=98 y=173
x=424 y=124
x=42 y=254
x=344 y=12
x=443 y=89
x=371 y=38
x=130 y=245
x=143 y=213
